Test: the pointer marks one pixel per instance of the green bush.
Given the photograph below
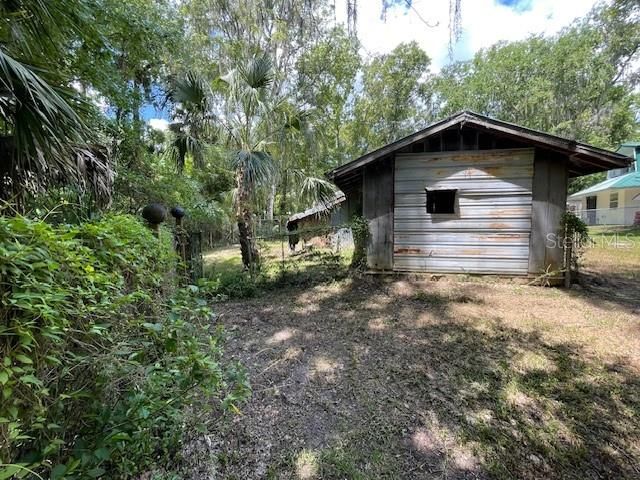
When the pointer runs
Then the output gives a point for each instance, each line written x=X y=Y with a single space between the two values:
x=231 y=285
x=101 y=355
x=360 y=231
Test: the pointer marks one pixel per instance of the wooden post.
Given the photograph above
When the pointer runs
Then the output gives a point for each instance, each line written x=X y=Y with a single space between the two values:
x=568 y=252
x=181 y=241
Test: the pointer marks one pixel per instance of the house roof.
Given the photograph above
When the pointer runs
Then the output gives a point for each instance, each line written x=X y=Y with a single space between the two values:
x=630 y=180
x=629 y=149
x=319 y=208
x=583 y=158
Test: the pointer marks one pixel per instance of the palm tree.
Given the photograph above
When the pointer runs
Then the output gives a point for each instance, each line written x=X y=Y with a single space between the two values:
x=193 y=127
x=250 y=118
x=256 y=127
x=44 y=139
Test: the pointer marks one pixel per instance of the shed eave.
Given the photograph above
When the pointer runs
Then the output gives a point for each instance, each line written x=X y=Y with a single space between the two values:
x=597 y=159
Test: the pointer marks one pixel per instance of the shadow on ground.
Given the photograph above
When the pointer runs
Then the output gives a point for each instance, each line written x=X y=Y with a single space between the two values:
x=386 y=378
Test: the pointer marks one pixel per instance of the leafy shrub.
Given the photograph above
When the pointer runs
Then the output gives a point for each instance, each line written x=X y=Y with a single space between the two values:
x=576 y=236
x=360 y=231
x=231 y=285
x=101 y=355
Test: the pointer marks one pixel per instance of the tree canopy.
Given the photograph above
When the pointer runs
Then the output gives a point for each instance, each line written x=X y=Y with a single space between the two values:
x=80 y=79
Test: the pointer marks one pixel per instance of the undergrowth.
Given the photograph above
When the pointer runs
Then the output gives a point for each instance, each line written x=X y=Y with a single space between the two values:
x=304 y=269
x=101 y=354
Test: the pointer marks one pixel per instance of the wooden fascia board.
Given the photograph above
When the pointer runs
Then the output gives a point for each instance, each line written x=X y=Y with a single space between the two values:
x=560 y=146
x=566 y=147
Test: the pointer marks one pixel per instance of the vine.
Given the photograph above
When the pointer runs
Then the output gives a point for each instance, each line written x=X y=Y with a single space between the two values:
x=576 y=236
x=361 y=234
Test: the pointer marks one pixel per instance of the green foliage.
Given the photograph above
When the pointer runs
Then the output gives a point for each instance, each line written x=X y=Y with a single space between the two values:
x=101 y=355
x=329 y=87
x=153 y=178
x=361 y=234
x=576 y=236
x=231 y=284
x=578 y=83
x=586 y=181
x=390 y=102
x=574 y=225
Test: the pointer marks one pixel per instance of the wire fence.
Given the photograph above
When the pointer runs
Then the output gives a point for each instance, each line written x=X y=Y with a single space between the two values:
x=611 y=216
x=304 y=254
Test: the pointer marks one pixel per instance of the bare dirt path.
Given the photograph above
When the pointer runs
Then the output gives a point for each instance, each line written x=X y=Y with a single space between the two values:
x=399 y=378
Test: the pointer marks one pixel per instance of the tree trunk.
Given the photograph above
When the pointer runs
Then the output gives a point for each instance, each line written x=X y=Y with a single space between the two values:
x=271 y=202
x=283 y=200
x=244 y=218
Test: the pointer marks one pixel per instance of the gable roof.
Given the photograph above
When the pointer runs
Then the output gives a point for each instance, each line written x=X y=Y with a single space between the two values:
x=631 y=149
x=629 y=180
x=584 y=158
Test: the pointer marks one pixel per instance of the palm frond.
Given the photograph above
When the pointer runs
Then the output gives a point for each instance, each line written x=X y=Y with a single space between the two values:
x=192 y=92
x=313 y=190
x=45 y=133
x=184 y=143
x=257 y=167
x=247 y=85
x=40 y=28
x=257 y=73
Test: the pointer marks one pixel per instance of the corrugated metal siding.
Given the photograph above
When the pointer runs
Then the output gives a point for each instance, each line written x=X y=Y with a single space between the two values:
x=489 y=233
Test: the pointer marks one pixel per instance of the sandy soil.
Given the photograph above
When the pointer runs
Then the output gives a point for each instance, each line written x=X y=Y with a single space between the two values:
x=397 y=377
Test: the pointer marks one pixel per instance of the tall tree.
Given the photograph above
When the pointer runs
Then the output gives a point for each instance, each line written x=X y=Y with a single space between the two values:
x=328 y=89
x=391 y=100
x=579 y=83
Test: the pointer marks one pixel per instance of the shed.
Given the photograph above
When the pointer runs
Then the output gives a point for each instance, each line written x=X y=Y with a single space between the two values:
x=306 y=223
x=468 y=194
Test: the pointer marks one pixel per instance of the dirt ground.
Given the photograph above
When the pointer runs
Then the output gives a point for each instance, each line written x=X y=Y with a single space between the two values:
x=412 y=377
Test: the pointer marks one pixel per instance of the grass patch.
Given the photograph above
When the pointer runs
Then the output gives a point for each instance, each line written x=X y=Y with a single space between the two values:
x=225 y=277
x=614 y=251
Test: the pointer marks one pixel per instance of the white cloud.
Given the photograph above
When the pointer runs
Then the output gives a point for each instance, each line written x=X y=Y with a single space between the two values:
x=484 y=22
x=158 y=124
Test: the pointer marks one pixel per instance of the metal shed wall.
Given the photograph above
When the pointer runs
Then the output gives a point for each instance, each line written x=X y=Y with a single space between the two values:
x=490 y=229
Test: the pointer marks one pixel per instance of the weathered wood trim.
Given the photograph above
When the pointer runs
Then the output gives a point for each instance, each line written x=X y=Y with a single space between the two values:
x=377 y=207
x=457 y=153
x=549 y=193
x=603 y=159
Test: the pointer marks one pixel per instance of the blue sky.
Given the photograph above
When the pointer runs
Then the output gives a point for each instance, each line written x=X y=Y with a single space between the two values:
x=517 y=5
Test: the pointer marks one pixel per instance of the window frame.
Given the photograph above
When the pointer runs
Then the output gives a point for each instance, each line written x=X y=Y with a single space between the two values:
x=612 y=201
x=431 y=211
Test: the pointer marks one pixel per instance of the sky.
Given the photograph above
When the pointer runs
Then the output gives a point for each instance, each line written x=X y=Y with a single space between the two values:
x=484 y=22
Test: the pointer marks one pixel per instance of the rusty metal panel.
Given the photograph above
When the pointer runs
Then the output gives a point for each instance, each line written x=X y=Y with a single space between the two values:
x=490 y=229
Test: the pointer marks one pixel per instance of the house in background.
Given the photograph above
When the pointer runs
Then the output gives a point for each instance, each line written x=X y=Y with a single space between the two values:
x=468 y=194
x=616 y=200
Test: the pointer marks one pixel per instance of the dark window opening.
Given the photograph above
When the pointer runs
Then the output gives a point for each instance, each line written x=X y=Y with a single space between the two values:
x=441 y=201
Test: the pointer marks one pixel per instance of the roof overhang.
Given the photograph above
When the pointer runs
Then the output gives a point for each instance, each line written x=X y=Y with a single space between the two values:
x=583 y=158
x=319 y=209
